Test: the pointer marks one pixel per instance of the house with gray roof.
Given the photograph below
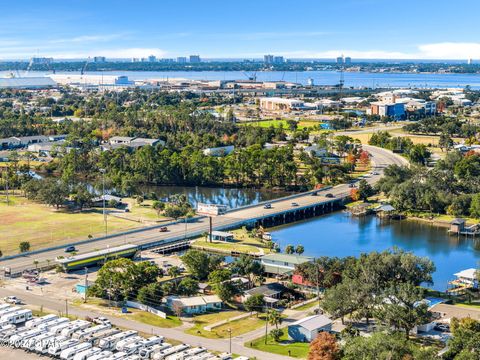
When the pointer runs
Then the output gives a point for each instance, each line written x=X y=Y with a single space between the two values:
x=307 y=329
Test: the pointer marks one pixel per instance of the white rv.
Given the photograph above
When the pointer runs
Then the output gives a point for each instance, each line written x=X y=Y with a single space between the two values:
x=29 y=345
x=85 y=333
x=95 y=338
x=57 y=348
x=84 y=355
x=173 y=350
x=37 y=321
x=122 y=344
x=143 y=343
x=101 y=356
x=51 y=324
x=43 y=347
x=17 y=339
x=110 y=342
x=69 y=353
x=58 y=328
x=75 y=326
x=147 y=353
x=117 y=356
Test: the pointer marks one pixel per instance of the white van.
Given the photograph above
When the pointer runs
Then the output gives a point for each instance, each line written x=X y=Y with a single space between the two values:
x=84 y=333
x=17 y=339
x=57 y=348
x=87 y=353
x=17 y=317
x=101 y=355
x=172 y=350
x=122 y=344
x=134 y=347
x=109 y=342
x=37 y=321
x=69 y=353
x=147 y=353
x=75 y=326
x=43 y=347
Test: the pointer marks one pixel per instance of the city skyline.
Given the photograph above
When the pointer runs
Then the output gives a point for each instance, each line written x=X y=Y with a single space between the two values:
x=369 y=29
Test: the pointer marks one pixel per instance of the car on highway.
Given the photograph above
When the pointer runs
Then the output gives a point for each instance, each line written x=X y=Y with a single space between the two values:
x=375 y=173
x=70 y=249
x=294 y=204
x=163 y=229
x=352 y=185
x=314 y=193
x=12 y=300
x=267 y=206
x=329 y=195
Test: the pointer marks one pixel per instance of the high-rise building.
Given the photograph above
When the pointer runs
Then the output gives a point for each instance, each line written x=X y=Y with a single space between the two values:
x=268 y=59
x=340 y=60
x=99 y=59
x=152 y=58
x=181 y=59
x=347 y=60
x=469 y=61
x=42 y=60
x=195 y=59
x=278 y=60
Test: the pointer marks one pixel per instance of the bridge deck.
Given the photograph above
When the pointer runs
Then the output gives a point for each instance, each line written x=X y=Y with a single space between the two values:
x=150 y=237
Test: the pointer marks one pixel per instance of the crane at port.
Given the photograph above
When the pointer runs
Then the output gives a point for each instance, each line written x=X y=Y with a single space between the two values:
x=251 y=76
x=84 y=68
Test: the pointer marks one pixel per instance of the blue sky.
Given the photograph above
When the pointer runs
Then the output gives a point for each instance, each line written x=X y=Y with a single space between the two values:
x=420 y=29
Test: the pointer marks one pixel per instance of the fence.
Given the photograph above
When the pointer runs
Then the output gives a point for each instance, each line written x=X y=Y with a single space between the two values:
x=143 y=307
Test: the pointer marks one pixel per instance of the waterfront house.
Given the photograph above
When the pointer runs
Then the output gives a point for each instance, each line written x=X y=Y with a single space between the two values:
x=307 y=329
x=272 y=293
x=222 y=236
x=457 y=226
x=195 y=304
x=282 y=264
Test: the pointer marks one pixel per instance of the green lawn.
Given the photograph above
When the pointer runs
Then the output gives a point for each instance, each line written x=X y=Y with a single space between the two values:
x=307 y=306
x=42 y=226
x=297 y=350
x=237 y=327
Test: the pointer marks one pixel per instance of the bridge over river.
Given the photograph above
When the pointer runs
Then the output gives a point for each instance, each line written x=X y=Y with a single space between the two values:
x=281 y=211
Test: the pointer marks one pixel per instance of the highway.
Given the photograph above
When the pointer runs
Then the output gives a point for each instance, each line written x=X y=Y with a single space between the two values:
x=380 y=159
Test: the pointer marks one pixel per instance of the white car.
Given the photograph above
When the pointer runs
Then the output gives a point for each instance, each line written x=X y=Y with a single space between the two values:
x=12 y=300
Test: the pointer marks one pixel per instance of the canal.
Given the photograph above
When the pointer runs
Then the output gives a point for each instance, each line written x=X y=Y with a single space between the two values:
x=340 y=235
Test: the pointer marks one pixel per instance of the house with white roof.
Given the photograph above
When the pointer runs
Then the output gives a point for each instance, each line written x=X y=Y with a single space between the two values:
x=307 y=329
x=195 y=304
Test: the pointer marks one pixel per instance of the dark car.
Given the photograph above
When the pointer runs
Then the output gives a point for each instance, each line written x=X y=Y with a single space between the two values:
x=267 y=206
x=163 y=229
x=329 y=195
x=352 y=185
x=315 y=193
x=70 y=249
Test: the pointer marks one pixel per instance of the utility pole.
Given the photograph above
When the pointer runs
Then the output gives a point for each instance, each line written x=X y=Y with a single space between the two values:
x=103 y=198
x=66 y=307
x=86 y=285
x=230 y=344
x=211 y=228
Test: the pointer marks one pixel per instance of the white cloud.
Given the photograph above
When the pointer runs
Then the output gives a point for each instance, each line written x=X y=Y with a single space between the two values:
x=450 y=50
x=89 y=38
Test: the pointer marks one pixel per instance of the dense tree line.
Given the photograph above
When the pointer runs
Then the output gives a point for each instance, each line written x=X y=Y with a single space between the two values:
x=452 y=186
x=435 y=125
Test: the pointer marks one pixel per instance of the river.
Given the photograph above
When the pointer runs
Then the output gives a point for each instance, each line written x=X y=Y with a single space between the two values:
x=338 y=234
x=352 y=79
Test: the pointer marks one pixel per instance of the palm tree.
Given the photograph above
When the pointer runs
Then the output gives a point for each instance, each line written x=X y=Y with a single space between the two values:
x=274 y=318
x=289 y=249
x=299 y=249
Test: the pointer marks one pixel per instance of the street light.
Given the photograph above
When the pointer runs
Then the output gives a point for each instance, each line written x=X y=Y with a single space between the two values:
x=230 y=336
x=103 y=198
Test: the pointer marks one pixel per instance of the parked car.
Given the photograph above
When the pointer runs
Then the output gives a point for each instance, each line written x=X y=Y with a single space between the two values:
x=352 y=185
x=314 y=193
x=267 y=206
x=12 y=300
x=69 y=249
x=375 y=173
x=163 y=229
x=294 y=204
x=101 y=320
x=329 y=195
x=442 y=327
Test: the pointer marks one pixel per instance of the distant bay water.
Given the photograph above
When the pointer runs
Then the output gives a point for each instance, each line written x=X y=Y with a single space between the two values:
x=352 y=79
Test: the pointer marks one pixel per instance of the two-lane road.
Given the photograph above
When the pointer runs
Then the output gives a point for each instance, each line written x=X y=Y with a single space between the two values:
x=380 y=159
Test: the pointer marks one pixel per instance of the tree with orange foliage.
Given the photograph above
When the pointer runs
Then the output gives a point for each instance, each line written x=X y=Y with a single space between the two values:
x=351 y=159
x=324 y=347
x=364 y=158
x=354 y=194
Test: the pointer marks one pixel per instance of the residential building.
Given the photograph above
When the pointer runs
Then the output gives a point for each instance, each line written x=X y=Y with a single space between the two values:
x=152 y=58
x=99 y=59
x=181 y=59
x=278 y=60
x=195 y=304
x=339 y=60
x=271 y=292
x=222 y=236
x=195 y=59
x=280 y=264
x=307 y=329
x=347 y=60
x=41 y=60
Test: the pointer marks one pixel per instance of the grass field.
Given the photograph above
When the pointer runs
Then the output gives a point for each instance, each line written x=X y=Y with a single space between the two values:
x=243 y=243
x=42 y=226
x=284 y=347
x=237 y=327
